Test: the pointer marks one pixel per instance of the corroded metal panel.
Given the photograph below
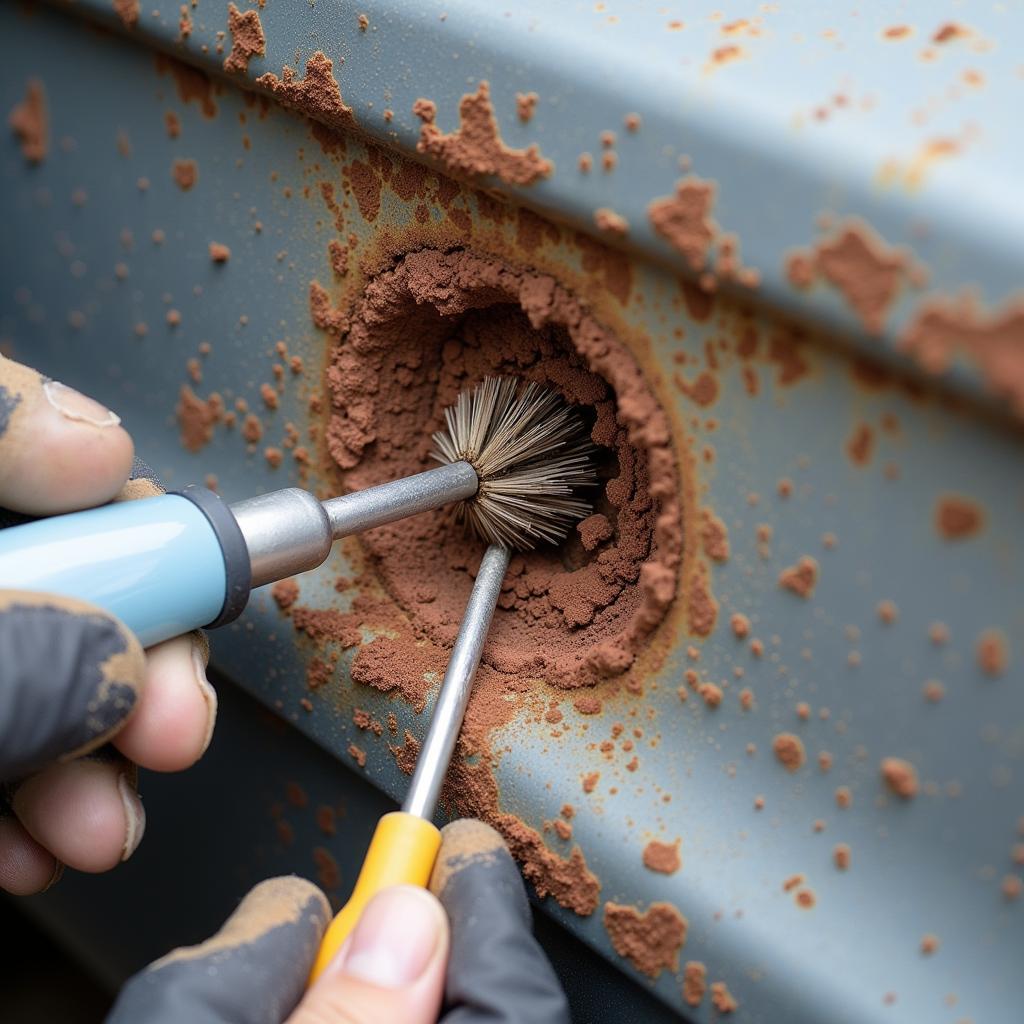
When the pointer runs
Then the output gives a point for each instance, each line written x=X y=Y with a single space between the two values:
x=826 y=723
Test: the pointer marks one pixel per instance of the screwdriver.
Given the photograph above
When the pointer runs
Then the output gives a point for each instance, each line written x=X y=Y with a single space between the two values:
x=405 y=843
x=530 y=451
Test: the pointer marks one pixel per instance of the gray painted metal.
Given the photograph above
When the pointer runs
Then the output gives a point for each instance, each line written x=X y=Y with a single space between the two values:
x=930 y=865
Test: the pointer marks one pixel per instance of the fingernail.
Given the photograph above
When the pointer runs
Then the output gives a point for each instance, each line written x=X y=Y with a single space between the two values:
x=58 y=874
x=208 y=692
x=76 y=406
x=395 y=938
x=134 y=816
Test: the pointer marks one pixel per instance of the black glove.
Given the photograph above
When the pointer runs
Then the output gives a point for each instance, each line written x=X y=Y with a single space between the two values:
x=497 y=972
x=254 y=970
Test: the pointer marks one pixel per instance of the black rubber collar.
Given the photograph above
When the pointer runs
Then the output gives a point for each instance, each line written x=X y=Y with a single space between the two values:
x=237 y=567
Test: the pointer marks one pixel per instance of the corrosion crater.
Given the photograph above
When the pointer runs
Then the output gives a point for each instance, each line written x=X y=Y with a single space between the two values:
x=436 y=323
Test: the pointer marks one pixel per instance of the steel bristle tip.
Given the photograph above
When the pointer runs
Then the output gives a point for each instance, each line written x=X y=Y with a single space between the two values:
x=531 y=452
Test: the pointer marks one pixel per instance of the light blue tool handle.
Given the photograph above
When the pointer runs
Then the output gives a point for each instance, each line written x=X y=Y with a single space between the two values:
x=155 y=563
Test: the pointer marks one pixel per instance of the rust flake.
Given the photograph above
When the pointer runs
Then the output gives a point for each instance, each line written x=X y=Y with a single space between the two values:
x=855 y=261
x=317 y=94
x=476 y=148
x=247 y=39
x=958 y=517
x=942 y=329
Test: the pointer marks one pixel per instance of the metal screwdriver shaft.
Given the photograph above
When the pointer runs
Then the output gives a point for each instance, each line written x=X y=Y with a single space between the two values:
x=529 y=452
x=453 y=696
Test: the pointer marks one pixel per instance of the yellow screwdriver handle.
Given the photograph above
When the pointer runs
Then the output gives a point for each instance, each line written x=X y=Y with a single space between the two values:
x=402 y=851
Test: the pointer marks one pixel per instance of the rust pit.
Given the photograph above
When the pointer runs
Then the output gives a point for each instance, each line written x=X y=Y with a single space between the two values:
x=436 y=323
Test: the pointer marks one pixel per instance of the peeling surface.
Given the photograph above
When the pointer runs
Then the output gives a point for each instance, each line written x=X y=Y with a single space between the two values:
x=476 y=149
x=943 y=330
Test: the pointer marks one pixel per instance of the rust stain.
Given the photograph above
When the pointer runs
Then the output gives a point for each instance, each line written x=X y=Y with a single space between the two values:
x=861 y=445
x=684 y=219
x=722 y=55
x=703 y=391
x=993 y=652
x=957 y=517
x=911 y=173
x=476 y=148
x=866 y=271
x=801 y=578
x=942 y=329
x=317 y=95
x=247 y=39
x=30 y=121
x=191 y=83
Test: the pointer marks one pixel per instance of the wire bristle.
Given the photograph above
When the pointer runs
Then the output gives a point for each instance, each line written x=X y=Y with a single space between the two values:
x=529 y=452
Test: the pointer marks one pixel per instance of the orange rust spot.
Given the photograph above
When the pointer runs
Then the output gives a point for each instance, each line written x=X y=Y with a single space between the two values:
x=725 y=55
x=949 y=31
x=789 y=751
x=805 y=899
x=684 y=219
x=650 y=940
x=703 y=391
x=801 y=578
x=317 y=95
x=992 y=652
x=128 y=11
x=702 y=608
x=247 y=39
x=695 y=976
x=611 y=222
x=714 y=536
x=957 y=517
x=911 y=173
x=900 y=777
x=699 y=303
x=722 y=999
x=526 y=104
x=943 y=329
x=477 y=149
x=887 y=612
x=800 y=269
x=662 y=857
x=785 y=350
x=740 y=625
x=861 y=445
x=190 y=83
x=867 y=273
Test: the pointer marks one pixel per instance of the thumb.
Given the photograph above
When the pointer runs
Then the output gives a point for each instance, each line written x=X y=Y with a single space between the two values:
x=391 y=967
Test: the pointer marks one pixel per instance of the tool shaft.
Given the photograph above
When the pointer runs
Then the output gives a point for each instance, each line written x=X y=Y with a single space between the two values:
x=453 y=697
x=289 y=531
x=386 y=503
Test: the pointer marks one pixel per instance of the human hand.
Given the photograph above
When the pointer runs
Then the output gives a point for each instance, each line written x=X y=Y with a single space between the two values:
x=72 y=677
x=462 y=953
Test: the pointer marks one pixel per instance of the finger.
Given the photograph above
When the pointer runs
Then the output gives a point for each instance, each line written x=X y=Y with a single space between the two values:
x=86 y=812
x=59 y=450
x=174 y=722
x=70 y=675
x=251 y=972
x=25 y=866
x=391 y=967
x=497 y=972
